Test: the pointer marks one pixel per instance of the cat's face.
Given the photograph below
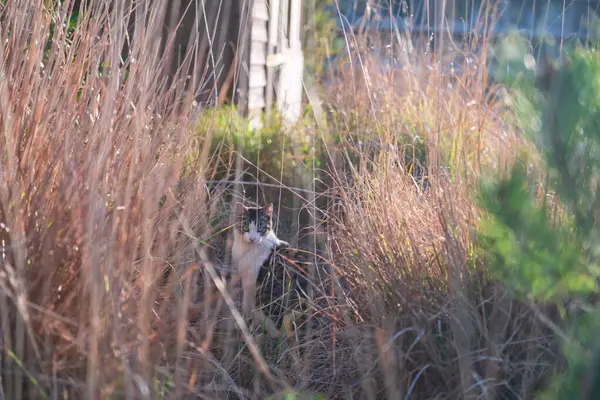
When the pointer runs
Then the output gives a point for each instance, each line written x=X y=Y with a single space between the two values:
x=254 y=223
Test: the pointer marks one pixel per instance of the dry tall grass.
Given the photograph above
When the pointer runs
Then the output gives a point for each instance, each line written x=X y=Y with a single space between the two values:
x=102 y=246
x=434 y=323
x=90 y=144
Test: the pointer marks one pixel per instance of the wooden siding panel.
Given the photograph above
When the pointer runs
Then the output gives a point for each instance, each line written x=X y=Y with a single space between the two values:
x=258 y=77
x=258 y=60
x=258 y=53
x=256 y=98
x=259 y=31
x=260 y=11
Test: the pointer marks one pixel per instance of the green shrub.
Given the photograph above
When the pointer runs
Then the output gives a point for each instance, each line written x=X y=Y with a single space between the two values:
x=548 y=250
x=275 y=149
x=319 y=38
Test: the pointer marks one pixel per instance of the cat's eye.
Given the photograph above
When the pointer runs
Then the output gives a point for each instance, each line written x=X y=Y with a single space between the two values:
x=245 y=226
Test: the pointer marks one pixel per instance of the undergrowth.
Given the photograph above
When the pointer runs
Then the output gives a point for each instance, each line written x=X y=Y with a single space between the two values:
x=115 y=214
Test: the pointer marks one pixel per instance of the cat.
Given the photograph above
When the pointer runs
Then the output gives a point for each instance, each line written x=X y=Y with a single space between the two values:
x=253 y=242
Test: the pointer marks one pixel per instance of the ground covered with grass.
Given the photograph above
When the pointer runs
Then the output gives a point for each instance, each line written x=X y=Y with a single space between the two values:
x=115 y=204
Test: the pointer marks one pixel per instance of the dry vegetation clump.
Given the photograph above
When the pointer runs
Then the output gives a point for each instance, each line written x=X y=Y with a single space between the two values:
x=418 y=297
x=445 y=117
x=417 y=291
x=93 y=145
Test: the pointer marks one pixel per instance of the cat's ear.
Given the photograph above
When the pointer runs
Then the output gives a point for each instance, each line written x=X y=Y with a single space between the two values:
x=268 y=209
x=239 y=209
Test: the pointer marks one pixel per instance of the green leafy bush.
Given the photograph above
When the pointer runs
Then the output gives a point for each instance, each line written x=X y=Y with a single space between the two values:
x=319 y=40
x=275 y=149
x=545 y=247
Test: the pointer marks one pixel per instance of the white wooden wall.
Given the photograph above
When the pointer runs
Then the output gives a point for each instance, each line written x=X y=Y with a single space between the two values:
x=276 y=60
x=257 y=83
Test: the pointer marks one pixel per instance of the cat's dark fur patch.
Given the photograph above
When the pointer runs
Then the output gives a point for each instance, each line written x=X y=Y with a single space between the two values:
x=283 y=282
x=258 y=215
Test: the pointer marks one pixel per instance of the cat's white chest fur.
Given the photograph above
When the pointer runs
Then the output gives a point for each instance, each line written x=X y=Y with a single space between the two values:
x=249 y=257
